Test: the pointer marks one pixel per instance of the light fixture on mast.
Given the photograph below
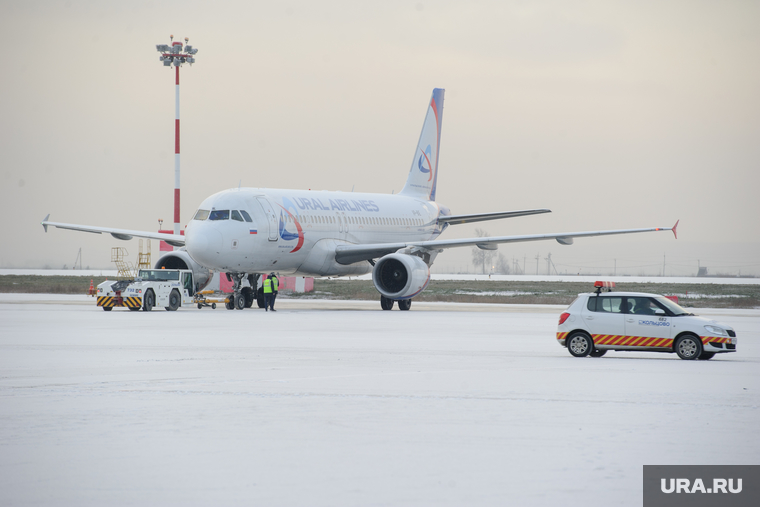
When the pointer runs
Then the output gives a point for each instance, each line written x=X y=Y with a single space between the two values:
x=175 y=54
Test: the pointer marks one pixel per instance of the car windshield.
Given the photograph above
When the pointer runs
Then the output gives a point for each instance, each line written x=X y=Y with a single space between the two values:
x=671 y=306
x=158 y=275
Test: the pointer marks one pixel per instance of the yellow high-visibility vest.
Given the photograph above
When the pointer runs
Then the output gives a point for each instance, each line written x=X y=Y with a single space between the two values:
x=268 y=286
x=275 y=284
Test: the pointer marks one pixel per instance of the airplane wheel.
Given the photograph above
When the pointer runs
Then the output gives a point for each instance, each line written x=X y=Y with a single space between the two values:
x=404 y=304
x=261 y=301
x=229 y=304
x=213 y=306
x=248 y=294
x=385 y=303
x=239 y=301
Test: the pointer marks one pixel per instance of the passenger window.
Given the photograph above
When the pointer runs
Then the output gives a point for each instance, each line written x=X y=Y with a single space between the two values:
x=609 y=305
x=591 y=305
x=236 y=215
x=201 y=214
x=219 y=214
x=246 y=215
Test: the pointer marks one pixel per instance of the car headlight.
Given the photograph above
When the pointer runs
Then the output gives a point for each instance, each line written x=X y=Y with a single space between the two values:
x=719 y=331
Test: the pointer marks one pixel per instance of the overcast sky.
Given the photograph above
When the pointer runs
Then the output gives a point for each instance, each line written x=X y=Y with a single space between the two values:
x=612 y=114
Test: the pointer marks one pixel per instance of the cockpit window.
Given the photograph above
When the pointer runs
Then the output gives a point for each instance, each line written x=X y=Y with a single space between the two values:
x=219 y=214
x=246 y=215
x=236 y=215
x=201 y=214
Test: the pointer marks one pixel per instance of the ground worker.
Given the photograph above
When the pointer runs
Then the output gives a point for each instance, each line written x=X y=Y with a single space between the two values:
x=270 y=291
x=275 y=290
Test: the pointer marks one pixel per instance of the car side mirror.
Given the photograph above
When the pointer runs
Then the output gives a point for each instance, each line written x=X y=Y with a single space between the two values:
x=659 y=312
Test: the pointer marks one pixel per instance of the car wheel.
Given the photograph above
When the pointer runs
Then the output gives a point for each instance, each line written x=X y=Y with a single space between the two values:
x=213 y=306
x=404 y=304
x=597 y=353
x=173 y=301
x=580 y=344
x=107 y=308
x=688 y=347
x=704 y=356
x=134 y=308
x=150 y=300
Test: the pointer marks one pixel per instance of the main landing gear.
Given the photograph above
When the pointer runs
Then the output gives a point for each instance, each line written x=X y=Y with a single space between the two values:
x=387 y=303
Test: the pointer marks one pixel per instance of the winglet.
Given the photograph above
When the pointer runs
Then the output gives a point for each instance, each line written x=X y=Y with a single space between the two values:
x=674 y=229
x=44 y=222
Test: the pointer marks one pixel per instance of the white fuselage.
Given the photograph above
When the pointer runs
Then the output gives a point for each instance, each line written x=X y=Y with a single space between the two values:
x=296 y=231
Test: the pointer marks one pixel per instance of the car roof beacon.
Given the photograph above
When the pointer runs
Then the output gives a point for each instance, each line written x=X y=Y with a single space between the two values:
x=608 y=285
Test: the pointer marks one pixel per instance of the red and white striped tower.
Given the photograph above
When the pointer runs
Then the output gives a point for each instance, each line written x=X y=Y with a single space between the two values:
x=176 y=55
x=176 y=152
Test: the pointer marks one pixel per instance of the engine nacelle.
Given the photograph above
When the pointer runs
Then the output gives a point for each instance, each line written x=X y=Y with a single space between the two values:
x=180 y=259
x=400 y=276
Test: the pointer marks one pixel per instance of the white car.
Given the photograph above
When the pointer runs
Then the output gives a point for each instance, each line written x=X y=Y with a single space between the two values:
x=632 y=321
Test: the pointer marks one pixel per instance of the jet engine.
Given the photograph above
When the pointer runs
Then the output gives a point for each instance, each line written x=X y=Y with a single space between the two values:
x=180 y=259
x=400 y=276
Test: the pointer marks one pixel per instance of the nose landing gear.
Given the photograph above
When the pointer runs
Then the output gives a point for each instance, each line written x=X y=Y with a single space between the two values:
x=242 y=297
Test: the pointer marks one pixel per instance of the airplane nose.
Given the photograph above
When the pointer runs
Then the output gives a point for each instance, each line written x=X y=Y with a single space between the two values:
x=204 y=245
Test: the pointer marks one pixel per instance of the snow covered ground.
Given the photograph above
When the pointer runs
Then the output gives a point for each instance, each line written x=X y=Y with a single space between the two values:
x=459 y=276
x=339 y=403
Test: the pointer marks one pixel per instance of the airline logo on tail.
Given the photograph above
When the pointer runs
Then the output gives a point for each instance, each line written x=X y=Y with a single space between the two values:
x=424 y=164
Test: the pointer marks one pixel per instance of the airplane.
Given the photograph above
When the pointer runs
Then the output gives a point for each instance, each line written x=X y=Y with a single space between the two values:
x=247 y=232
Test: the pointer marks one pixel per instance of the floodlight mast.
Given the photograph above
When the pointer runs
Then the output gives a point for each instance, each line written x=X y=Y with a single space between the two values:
x=176 y=55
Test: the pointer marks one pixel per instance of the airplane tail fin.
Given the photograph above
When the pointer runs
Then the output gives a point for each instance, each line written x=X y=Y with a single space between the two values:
x=423 y=175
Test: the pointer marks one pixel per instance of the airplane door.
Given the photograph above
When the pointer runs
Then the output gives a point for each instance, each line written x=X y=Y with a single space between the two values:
x=271 y=217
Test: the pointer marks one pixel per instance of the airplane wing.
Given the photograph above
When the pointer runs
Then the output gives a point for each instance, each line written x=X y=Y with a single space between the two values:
x=481 y=217
x=348 y=254
x=125 y=234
